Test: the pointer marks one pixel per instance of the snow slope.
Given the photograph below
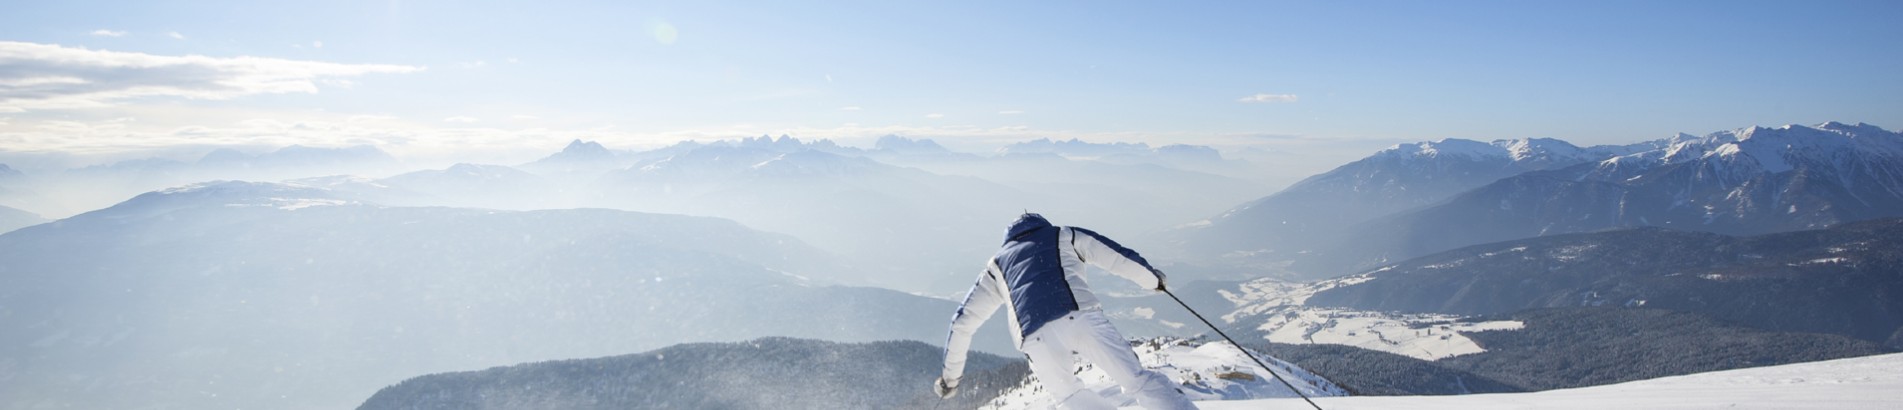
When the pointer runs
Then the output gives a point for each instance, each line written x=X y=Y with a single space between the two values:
x=1205 y=371
x=1872 y=382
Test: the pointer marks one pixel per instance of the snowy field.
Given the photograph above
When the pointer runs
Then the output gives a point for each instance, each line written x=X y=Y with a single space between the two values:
x=1874 y=382
x=1425 y=337
x=1276 y=308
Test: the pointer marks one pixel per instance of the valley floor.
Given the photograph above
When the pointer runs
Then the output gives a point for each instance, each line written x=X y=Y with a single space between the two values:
x=1874 y=382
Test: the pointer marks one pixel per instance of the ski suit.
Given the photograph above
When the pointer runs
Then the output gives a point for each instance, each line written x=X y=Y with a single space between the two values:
x=1039 y=277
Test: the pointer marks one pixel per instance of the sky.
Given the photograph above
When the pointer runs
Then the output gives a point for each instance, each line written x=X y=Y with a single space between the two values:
x=511 y=81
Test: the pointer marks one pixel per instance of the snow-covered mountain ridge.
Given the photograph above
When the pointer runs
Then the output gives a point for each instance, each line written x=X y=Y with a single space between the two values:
x=1415 y=199
x=1512 y=149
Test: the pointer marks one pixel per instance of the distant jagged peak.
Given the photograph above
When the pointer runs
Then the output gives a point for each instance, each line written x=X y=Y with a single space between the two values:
x=900 y=144
x=577 y=156
x=8 y=172
x=1074 y=146
x=1187 y=151
x=589 y=148
x=782 y=143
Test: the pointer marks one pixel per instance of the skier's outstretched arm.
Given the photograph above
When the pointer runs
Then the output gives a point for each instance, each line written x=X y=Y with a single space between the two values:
x=1098 y=250
x=983 y=300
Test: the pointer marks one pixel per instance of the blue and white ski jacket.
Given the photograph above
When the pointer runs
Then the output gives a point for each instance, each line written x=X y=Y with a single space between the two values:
x=1039 y=275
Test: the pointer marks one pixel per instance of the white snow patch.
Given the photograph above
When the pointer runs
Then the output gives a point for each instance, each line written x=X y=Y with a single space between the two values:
x=1821 y=261
x=1496 y=253
x=1569 y=253
x=1144 y=312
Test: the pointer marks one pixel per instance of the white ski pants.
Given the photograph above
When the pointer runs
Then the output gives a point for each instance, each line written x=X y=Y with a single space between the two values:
x=1089 y=334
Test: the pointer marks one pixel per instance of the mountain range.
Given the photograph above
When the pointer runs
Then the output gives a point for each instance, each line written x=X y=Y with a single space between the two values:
x=62 y=193
x=1738 y=248
x=1412 y=200
x=239 y=294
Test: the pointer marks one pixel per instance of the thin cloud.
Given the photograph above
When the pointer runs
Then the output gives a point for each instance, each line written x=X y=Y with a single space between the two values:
x=317 y=44
x=175 y=35
x=50 y=76
x=460 y=119
x=520 y=117
x=934 y=115
x=1263 y=98
x=108 y=33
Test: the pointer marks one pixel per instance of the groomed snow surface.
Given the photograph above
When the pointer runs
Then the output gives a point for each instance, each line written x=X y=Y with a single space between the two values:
x=1874 y=382
x=1206 y=372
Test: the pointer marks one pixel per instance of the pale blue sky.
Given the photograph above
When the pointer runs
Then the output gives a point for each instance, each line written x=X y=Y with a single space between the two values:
x=523 y=74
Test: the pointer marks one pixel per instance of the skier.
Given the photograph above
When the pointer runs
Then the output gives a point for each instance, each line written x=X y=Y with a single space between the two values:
x=1039 y=274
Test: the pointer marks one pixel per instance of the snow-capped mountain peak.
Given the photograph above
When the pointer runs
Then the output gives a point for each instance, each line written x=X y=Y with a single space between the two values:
x=1757 y=149
x=1445 y=147
x=1536 y=148
x=1517 y=150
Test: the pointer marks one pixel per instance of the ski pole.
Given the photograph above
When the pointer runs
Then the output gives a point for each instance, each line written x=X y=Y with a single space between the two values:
x=1245 y=352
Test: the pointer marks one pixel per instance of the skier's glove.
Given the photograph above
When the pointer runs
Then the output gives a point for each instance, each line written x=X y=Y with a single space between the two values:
x=1159 y=282
x=945 y=389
